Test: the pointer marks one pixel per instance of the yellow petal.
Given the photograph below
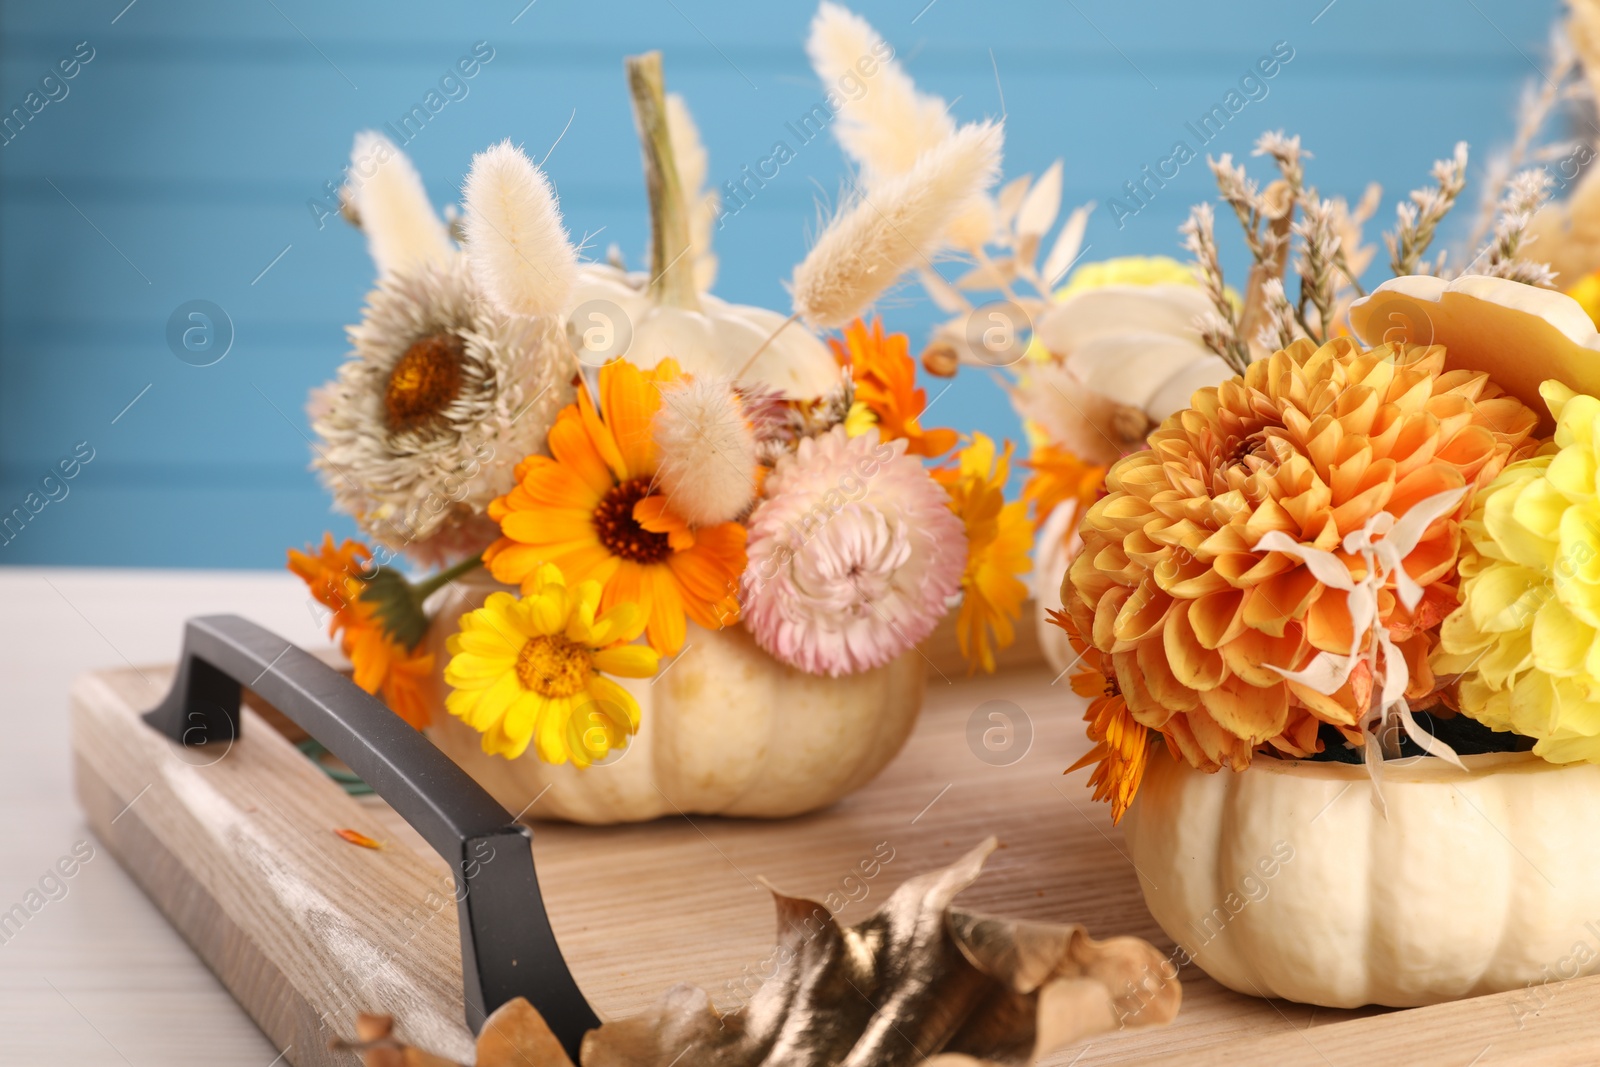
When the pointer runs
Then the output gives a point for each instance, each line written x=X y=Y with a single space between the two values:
x=628 y=661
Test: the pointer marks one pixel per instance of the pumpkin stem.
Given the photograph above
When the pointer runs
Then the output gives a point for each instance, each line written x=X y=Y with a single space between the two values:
x=671 y=264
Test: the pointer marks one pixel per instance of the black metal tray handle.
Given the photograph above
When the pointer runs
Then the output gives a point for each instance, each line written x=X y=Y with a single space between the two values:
x=507 y=947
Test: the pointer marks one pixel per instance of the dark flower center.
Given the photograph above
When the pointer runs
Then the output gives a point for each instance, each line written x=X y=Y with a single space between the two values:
x=424 y=381
x=622 y=536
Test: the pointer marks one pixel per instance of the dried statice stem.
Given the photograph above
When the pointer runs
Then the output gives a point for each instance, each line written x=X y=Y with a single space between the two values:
x=1417 y=221
x=1219 y=330
x=1524 y=195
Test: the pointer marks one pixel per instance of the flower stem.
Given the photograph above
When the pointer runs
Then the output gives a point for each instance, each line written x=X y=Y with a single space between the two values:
x=428 y=586
x=671 y=261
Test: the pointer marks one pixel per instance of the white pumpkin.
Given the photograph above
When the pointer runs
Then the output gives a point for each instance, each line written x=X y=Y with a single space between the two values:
x=1052 y=551
x=1285 y=881
x=714 y=338
x=664 y=313
x=725 y=729
x=1136 y=345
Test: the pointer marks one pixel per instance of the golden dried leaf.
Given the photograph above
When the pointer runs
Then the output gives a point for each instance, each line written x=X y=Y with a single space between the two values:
x=916 y=984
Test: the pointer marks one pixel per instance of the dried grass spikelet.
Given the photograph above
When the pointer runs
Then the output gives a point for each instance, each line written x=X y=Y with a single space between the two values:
x=386 y=192
x=701 y=206
x=870 y=243
x=890 y=125
x=519 y=250
x=708 y=451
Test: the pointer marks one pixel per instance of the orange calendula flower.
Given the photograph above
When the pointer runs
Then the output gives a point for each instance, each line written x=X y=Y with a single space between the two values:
x=999 y=537
x=383 y=666
x=885 y=378
x=1311 y=442
x=592 y=508
x=1121 y=743
x=1058 y=477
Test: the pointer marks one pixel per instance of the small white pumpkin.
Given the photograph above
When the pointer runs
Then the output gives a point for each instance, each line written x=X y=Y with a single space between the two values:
x=725 y=729
x=663 y=313
x=712 y=338
x=1052 y=552
x=1285 y=881
x=1136 y=345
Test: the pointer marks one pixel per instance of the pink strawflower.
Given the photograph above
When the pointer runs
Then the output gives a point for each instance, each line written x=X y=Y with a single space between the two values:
x=853 y=555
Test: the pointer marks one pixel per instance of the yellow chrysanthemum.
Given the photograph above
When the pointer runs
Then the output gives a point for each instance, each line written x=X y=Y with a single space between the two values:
x=999 y=537
x=534 y=670
x=1586 y=291
x=1129 y=270
x=1527 y=635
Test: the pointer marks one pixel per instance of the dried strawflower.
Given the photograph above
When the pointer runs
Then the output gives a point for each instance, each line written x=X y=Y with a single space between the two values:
x=880 y=235
x=518 y=247
x=707 y=446
x=440 y=399
x=853 y=553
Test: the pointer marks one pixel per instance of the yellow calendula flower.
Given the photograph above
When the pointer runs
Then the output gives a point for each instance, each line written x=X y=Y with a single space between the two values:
x=533 y=670
x=1527 y=635
x=999 y=537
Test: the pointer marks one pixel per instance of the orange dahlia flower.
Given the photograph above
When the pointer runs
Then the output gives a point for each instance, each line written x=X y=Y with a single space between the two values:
x=1121 y=743
x=592 y=509
x=1312 y=442
x=885 y=378
x=383 y=666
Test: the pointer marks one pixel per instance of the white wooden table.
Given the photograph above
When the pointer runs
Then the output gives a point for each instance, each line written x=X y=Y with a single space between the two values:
x=97 y=976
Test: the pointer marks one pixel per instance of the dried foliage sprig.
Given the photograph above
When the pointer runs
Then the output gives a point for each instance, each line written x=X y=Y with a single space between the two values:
x=1220 y=329
x=1524 y=195
x=1540 y=98
x=1417 y=220
x=1319 y=250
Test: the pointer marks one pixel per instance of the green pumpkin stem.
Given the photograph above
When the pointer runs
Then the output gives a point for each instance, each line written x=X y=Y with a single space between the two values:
x=671 y=261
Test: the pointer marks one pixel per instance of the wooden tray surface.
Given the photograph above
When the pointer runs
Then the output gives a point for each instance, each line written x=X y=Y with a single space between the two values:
x=306 y=930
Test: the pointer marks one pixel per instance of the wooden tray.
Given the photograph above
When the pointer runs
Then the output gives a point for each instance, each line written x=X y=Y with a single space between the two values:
x=306 y=930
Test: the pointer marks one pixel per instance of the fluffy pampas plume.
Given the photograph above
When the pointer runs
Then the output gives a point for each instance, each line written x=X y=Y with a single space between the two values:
x=702 y=207
x=403 y=231
x=897 y=225
x=708 y=451
x=518 y=248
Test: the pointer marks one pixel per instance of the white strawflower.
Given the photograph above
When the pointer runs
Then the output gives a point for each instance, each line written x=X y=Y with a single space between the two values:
x=853 y=555
x=403 y=231
x=518 y=247
x=707 y=464
x=441 y=398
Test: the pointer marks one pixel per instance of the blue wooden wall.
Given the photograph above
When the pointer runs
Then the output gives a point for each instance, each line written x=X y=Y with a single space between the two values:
x=178 y=163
